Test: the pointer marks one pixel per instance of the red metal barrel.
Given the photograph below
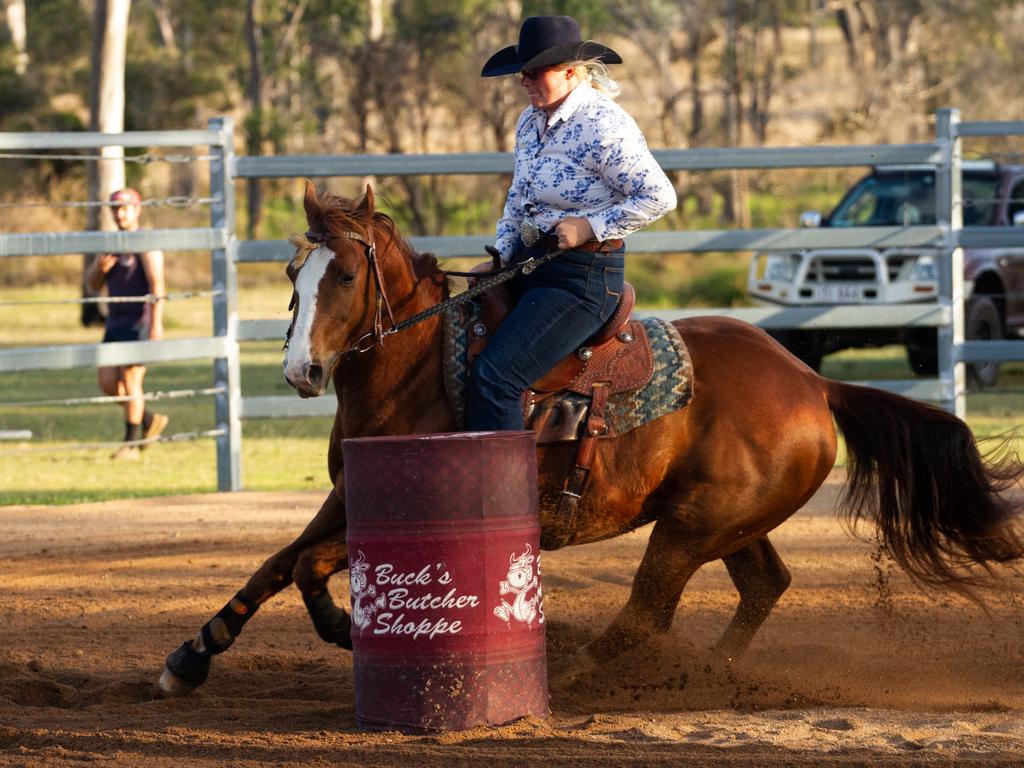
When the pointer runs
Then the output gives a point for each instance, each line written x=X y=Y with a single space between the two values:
x=444 y=573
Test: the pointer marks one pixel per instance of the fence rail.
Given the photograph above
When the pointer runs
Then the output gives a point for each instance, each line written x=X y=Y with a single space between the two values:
x=948 y=236
x=95 y=140
x=703 y=159
x=702 y=241
x=102 y=355
x=57 y=243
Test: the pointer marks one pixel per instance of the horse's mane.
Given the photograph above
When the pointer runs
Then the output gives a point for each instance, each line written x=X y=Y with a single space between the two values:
x=341 y=214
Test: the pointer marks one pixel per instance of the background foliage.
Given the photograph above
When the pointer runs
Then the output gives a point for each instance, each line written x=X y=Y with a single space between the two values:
x=328 y=76
x=313 y=76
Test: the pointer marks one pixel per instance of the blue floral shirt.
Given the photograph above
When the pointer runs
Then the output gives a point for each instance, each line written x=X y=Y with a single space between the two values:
x=592 y=161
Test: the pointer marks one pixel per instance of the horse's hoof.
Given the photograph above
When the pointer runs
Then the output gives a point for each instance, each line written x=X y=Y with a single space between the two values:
x=332 y=623
x=172 y=685
x=185 y=670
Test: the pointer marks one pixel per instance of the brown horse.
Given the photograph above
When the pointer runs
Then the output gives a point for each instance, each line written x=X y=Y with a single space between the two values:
x=715 y=478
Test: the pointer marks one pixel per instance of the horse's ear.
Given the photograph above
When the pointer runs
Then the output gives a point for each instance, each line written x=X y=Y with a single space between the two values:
x=366 y=204
x=311 y=202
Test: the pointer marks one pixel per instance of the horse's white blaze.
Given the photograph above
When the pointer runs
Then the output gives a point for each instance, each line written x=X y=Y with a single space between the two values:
x=307 y=283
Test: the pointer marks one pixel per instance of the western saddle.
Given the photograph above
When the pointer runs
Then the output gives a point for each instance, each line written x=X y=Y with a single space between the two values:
x=616 y=359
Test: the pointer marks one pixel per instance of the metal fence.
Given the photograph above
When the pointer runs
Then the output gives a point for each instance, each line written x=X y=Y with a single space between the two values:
x=948 y=235
x=218 y=238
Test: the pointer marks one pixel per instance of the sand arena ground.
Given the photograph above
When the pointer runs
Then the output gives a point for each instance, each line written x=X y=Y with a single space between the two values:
x=856 y=666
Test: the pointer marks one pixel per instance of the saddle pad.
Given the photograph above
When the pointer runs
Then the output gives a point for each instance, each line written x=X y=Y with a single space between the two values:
x=669 y=389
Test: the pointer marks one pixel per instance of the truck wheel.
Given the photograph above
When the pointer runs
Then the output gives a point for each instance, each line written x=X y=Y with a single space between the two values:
x=983 y=323
x=923 y=351
x=802 y=345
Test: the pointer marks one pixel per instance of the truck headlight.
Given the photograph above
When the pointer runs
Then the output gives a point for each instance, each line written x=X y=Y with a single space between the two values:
x=778 y=267
x=924 y=270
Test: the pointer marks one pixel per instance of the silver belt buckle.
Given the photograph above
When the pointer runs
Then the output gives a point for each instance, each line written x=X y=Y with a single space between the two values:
x=529 y=231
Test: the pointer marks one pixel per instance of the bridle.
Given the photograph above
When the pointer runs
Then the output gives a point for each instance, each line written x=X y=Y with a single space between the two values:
x=375 y=337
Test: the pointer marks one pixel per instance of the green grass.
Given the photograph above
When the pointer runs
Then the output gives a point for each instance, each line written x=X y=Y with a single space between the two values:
x=689 y=280
x=278 y=454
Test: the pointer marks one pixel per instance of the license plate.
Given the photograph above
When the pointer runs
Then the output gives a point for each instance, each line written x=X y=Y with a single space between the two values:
x=837 y=293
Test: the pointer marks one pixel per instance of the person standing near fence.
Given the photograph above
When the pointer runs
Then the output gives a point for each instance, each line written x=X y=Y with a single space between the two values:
x=130 y=274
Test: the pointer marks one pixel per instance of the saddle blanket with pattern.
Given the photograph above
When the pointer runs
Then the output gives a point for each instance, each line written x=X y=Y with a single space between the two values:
x=669 y=388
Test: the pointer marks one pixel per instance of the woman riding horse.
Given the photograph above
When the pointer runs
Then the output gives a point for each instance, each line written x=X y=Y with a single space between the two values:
x=583 y=170
x=753 y=445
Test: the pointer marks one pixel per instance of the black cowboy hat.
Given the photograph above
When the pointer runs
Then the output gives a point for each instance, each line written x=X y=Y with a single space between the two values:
x=545 y=41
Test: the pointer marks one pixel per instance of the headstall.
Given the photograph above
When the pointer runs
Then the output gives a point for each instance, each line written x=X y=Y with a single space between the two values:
x=374 y=336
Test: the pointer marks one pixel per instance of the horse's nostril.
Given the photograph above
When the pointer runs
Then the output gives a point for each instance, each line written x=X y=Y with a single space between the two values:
x=315 y=374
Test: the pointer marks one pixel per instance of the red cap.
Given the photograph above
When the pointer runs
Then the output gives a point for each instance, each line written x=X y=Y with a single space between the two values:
x=126 y=195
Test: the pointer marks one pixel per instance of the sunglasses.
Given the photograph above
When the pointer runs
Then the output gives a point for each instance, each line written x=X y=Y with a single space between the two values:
x=532 y=74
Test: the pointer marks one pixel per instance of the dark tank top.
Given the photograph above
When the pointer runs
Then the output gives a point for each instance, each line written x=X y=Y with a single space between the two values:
x=127 y=278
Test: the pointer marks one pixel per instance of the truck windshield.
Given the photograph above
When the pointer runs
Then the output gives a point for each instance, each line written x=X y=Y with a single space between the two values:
x=907 y=198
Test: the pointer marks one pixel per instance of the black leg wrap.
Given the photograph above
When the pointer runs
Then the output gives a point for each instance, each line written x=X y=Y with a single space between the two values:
x=220 y=632
x=331 y=622
x=189 y=665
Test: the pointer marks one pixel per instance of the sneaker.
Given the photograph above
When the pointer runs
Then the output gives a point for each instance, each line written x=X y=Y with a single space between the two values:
x=156 y=428
x=127 y=453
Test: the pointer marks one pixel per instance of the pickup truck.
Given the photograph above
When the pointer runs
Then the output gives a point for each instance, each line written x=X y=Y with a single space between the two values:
x=902 y=195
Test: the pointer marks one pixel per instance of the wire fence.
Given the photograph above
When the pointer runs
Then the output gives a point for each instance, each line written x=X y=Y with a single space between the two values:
x=221 y=347
x=148 y=298
x=142 y=159
x=172 y=201
x=180 y=437
x=175 y=394
x=947 y=237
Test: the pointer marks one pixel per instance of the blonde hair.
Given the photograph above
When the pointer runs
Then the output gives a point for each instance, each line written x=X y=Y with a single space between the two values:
x=595 y=72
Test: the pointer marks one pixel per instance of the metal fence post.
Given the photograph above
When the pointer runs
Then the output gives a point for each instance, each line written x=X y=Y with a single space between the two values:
x=226 y=370
x=949 y=216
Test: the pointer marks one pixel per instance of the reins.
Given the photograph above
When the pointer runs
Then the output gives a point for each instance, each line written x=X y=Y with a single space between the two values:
x=496 y=277
x=376 y=336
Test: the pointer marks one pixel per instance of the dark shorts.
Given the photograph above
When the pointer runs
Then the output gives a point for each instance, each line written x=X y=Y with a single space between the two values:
x=138 y=332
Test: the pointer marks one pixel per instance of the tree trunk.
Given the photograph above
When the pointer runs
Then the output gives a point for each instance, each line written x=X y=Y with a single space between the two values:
x=110 y=43
x=164 y=25
x=254 y=125
x=813 y=55
x=374 y=40
x=16 y=25
x=502 y=107
x=694 y=50
x=763 y=70
x=375 y=8
x=847 y=22
x=735 y=202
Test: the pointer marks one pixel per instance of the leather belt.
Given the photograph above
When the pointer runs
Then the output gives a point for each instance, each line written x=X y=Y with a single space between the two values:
x=591 y=246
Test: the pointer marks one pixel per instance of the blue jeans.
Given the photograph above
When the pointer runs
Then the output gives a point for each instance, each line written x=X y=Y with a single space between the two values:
x=558 y=306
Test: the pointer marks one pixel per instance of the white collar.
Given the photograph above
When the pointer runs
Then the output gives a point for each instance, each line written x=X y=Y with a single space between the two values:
x=582 y=94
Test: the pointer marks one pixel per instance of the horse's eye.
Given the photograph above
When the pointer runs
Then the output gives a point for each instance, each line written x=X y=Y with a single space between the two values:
x=345 y=279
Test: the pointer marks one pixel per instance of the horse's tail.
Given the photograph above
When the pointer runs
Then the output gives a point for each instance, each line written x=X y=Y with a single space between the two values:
x=917 y=473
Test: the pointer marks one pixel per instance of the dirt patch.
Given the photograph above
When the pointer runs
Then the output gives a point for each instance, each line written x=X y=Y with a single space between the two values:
x=855 y=666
